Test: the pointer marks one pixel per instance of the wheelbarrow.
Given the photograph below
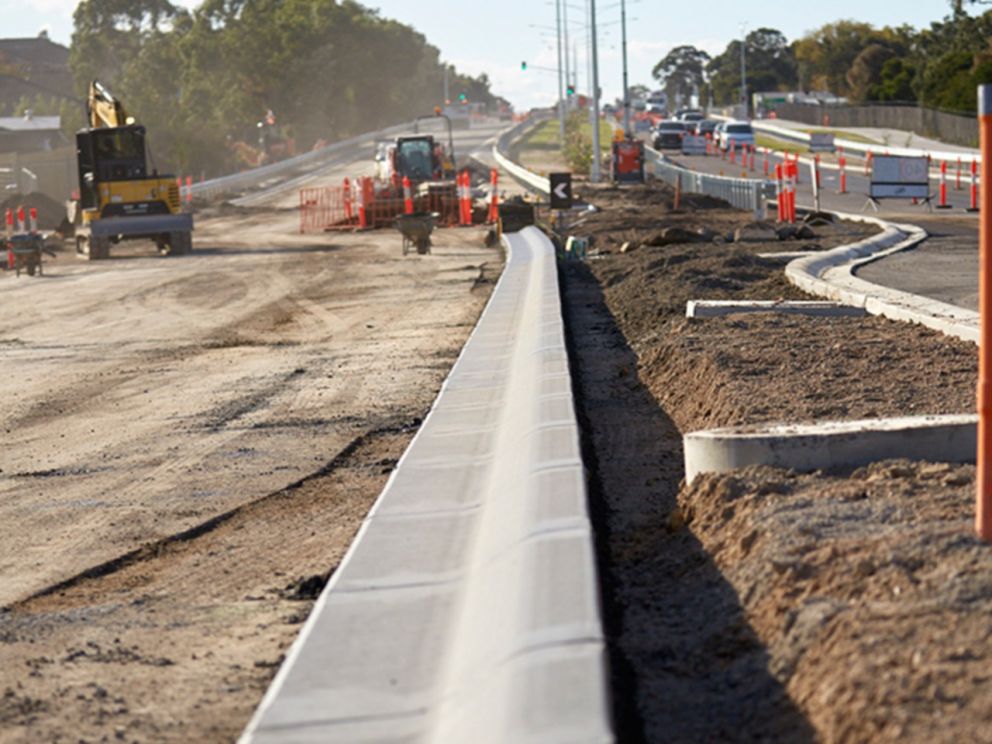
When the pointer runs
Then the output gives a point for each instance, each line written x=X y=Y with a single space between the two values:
x=416 y=229
x=24 y=253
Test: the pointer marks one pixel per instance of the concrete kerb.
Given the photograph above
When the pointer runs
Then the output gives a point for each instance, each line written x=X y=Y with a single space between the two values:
x=720 y=308
x=831 y=275
x=834 y=444
x=467 y=607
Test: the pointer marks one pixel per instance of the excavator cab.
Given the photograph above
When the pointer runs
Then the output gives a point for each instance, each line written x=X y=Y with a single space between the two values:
x=416 y=159
x=105 y=155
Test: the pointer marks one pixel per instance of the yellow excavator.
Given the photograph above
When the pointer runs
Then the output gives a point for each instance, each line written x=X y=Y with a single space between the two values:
x=118 y=199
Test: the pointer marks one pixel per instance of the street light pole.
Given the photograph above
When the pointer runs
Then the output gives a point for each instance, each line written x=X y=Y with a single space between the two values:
x=594 y=175
x=564 y=28
x=743 y=71
x=626 y=89
x=561 y=87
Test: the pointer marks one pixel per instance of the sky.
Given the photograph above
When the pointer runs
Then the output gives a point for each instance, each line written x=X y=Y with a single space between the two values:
x=495 y=36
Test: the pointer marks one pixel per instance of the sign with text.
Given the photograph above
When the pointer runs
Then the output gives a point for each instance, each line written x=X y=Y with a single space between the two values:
x=561 y=190
x=898 y=177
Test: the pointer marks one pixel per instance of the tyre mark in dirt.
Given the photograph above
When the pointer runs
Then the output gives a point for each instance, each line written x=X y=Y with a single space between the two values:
x=154 y=550
x=232 y=410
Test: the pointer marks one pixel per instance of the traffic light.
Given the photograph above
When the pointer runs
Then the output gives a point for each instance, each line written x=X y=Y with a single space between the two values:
x=570 y=89
x=461 y=97
x=523 y=66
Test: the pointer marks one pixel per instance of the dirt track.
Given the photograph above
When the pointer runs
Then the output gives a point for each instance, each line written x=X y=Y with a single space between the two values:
x=201 y=436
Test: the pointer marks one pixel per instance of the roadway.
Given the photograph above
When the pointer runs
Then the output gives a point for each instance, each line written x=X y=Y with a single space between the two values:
x=944 y=267
x=187 y=439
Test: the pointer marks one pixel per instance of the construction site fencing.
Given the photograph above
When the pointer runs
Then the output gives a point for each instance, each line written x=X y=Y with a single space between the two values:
x=361 y=203
x=743 y=193
x=49 y=172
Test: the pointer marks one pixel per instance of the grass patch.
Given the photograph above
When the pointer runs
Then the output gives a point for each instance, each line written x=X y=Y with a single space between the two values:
x=773 y=143
x=842 y=134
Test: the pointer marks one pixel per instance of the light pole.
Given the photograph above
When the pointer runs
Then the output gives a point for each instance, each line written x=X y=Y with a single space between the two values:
x=564 y=28
x=561 y=88
x=626 y=90
x=447 y=96
x=743 y=71
x=594 y=174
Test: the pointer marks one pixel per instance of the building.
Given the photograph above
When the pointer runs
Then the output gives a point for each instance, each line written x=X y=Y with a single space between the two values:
x=33 y=67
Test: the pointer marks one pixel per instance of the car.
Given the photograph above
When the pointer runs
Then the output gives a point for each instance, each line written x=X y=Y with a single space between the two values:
x=739 y=133
x=668 y=134
x=682 y=114
x=703 y=126
x=691 y=116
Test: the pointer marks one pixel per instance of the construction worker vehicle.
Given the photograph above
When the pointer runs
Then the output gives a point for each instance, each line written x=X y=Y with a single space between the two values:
x=417 y=157
x=118 y=198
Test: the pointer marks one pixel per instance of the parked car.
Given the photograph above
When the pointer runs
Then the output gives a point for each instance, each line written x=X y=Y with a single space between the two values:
x=668 y=134
x=738 y=132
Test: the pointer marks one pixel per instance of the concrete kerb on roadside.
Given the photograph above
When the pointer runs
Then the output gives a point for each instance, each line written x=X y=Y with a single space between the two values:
x=467 y=607
x=831 y=275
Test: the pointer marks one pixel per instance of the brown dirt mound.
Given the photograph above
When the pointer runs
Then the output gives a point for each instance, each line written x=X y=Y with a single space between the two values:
x=50 y=212
x=765 y=605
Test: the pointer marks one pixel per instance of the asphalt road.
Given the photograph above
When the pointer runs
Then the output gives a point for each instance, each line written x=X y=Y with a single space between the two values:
x=945 y=267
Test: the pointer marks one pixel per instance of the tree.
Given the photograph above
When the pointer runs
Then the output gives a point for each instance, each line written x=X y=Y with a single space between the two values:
x=770 y=66
x=682 y=71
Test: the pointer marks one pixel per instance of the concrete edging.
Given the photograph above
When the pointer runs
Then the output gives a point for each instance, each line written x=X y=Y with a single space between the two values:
x=811 y=447
x=720 y=308
x=467 y=607
x=831 y=274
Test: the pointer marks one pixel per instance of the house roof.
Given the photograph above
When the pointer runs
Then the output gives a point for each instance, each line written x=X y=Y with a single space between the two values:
x=34 y=51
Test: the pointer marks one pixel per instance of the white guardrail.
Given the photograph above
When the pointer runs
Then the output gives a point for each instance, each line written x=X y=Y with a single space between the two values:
x=743 y=193
x=526 y=178
x=238 y=182
x=467 y=609
x=793 y=135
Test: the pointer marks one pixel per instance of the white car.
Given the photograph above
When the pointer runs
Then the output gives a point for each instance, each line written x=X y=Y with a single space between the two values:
x=738 y=132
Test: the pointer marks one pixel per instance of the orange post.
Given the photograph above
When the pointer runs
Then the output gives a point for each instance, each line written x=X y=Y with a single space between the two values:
x=10 y=222
x=842 y=164
x=189 y=189
x=983 y=504
x=346 y=198
x=20 y=219
x=943 y=186
x=33 y=218
x=407 y=196
x=733 y=152
x=764 y=160
x=780 y=192
x=493 y=197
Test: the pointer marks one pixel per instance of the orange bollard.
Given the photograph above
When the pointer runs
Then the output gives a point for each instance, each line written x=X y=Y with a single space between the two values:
x=868 y=160
x=816 y=168
x=942 y=204
x=842 y=164
x=10 y=222
x=33 y=218
x=407 y=196
x=764 y=161
x=751 y=159
x=465 y=198
x=983 y=469
x=974 y=187
x=493 y=197
x=779 y=192
x=733 y=152
x=363 y=215
x=20 y=219
x=346 y=198
x=189 y=189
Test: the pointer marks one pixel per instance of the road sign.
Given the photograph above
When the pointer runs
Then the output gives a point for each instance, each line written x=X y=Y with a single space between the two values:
x=561 y=190
x=900 y=177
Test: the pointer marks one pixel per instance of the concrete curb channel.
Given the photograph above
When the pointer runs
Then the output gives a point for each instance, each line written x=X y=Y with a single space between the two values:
x=467 y=607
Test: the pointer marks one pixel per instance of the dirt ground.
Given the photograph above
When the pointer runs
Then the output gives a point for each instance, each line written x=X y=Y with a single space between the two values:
x=189 y=445
x=766 y=605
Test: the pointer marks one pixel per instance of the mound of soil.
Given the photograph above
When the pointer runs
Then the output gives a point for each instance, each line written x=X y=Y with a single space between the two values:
x=766 y=605
x=50 y=212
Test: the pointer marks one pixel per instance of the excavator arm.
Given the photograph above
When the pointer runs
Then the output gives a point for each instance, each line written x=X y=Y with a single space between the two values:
x=104 y=109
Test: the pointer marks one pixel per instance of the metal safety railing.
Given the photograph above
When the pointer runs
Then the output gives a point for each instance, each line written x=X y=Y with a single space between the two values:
x=743 y=193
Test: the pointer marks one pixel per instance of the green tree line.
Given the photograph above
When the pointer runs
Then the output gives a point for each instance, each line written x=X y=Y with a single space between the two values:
x=200 y=80
x=939 y=67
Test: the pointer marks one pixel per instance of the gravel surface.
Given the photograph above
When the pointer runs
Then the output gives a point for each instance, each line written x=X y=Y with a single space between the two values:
x=766 y=605
x=190 y=444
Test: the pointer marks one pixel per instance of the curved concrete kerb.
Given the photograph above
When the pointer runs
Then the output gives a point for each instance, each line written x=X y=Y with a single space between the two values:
x=831 y=275
x=809 y=447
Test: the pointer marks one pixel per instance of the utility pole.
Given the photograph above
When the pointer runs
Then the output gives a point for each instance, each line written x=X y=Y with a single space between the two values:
x=594 y=174
x=744 y=71
x=564 y=26
x=447 y=95
x=561 y=87
x=626 y=89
